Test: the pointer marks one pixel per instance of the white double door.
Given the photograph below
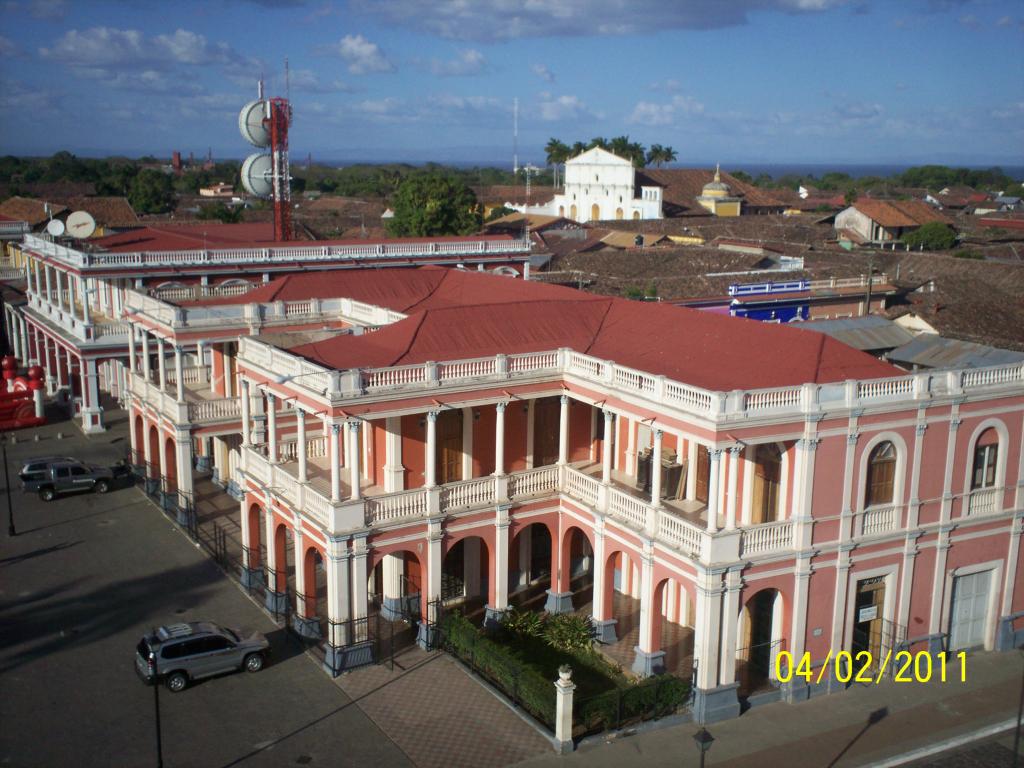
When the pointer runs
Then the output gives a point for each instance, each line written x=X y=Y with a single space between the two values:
x=970 y=606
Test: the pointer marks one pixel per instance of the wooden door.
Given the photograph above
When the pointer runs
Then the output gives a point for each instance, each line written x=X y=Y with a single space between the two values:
x=703 y=476
x=764 y=506
x=868 y=619
x=449 y=446
x=546 y=416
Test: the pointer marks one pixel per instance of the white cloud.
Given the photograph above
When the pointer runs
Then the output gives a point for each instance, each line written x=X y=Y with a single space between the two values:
x=469 y=62
x=653 y=114
x=1010 y=111
x=545 y=74
x=504 y=19
x=1005 y=21
x=555 y=109
x=859 y=112
x=363 y=57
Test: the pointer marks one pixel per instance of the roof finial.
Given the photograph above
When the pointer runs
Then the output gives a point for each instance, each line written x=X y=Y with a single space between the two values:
x=718 y=176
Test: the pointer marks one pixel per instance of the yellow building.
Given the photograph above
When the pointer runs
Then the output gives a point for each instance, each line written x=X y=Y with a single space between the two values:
x=718 y=199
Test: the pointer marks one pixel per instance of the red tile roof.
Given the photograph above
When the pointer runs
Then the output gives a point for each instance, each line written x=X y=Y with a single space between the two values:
x=899 y=213
x=458 y=319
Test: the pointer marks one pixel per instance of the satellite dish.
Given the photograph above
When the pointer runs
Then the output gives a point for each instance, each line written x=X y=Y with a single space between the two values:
x=257 y=175
x=251 y=125
x=81 y=225
x=55 y=227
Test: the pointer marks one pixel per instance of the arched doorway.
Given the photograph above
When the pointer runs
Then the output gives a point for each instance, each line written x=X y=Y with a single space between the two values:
x=396 y=586
x=577 y=567
x=311 y=603
x=636 y=215
x=252 y=553
x=464 y=573
x=595 y=212
x=760 y=640
x=529 y=564
x=139 y=459
x=618 y=213
x=171 y=467
x=153 y=457
x=561 y=210
x=672 y=627
x=572 y=212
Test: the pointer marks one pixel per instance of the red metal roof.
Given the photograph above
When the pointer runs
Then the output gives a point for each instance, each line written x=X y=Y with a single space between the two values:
x=459 y=320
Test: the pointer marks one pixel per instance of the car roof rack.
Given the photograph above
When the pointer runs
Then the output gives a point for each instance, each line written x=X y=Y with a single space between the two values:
x=174 y=630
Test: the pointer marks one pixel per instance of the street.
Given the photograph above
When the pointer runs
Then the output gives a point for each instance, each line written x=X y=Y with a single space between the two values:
x=82 y=581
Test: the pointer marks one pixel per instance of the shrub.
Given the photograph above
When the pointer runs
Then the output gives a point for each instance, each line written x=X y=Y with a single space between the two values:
x=933 y=236
x=569 y=631
x=523 y=623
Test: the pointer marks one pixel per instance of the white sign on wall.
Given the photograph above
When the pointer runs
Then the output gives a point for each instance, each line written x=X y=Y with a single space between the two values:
x=867 y=613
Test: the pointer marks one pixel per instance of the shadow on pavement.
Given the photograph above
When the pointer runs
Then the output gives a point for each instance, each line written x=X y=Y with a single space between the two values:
x=14 y=559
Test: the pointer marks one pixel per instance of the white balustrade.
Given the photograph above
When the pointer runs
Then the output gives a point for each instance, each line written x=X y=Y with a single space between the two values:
x=532 y=482
x=396 y=506
x=678 y=533
x=767 y=537
x=983 y=501
x=581 y=486
x=627 y=508
x=876 y=520
x=765 y=399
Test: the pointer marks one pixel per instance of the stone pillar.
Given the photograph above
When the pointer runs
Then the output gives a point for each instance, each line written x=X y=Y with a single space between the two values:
x=604 y=623
x=201 y=361
x=564 y=688
x=246 y=412
x=734 y=465
x=711 y=701
x=393 y=568
x=353 y=429
x=606 y=448
x=131 y=347
x=713 y=490
x=92 y=414
x=563 y=430
x=428 y=623
x=360 y=593
x=650 y=659
x=656 y=468
x=271 y=427
x=83 y=285
x=183 y=459
x=630 y=448
x=430 y=480
x=730 y=625
x=498 y=603
x=300 y=443
x=161 y=363
x=394 y=472
x=49 y=287
x=339 y=628
x=179 y=375
x=499 y=439
x=334 y=436
x=146 y=372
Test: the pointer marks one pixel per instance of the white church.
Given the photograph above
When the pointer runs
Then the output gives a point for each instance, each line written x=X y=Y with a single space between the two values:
x=600 y=185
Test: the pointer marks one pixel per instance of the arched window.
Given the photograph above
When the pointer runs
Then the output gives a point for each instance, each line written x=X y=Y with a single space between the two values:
x=764 y=506
x=986 y=454
x=881 y=474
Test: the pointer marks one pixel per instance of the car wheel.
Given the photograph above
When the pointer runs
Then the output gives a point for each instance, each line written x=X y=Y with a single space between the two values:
x=46 y=494
x=102 y=486
x=176 y=681
x=253 y=662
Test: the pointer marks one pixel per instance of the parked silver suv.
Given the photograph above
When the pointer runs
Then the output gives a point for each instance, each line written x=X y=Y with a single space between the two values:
x=179 y=653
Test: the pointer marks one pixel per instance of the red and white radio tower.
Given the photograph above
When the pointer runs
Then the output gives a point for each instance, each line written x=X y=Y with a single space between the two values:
x=264 y=123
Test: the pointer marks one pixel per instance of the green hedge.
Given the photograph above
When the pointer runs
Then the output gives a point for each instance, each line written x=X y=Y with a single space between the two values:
x=651 y=698
x=524 y=685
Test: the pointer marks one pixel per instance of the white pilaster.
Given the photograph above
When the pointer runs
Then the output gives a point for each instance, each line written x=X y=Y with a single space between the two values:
x=656 y=468
x=179 y=375
x=161 y=363
x=713 y=489
x=271 y=426
x=334 y=436
x=300 y=443
x=246 y=411
x=430 y=480
x=499 y=439
x=563 y=430
x=734 y=465
x=394 y=472
x=606 y=448
x=356 y=491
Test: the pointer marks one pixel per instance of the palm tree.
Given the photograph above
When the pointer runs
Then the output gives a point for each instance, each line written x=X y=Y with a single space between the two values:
x=557 y=152
x=668 y=155
x=655 y=155
x=578 y=149
x=598 y=141
x=635 y=152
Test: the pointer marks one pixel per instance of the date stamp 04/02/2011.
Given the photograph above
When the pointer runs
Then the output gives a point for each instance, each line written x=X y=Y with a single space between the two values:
x=864 y=667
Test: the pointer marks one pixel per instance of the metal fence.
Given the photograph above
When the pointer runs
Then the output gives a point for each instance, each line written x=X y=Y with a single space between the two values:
x=650 y=699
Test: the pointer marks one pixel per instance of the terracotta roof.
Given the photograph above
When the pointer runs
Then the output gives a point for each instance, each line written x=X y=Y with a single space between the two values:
x=108 y=211
x=682 y=187
x=514 y=193
x=458 y=320
x=899 y=213
x=29 y=209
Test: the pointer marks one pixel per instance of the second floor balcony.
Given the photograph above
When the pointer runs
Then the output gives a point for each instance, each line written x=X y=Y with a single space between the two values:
x=199 y=404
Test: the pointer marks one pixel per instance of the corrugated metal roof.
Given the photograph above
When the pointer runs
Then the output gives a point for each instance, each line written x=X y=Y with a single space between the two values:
x=865 y=333
x=931 y=351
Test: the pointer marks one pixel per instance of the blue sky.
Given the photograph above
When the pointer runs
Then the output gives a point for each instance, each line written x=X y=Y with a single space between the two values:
x=755 y=81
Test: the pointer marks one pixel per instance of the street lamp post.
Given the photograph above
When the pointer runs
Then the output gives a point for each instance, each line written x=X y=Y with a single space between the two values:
x=703 y=740
x=7 y=483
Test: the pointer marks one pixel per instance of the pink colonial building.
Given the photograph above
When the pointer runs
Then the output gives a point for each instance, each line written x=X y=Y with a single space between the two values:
x=765 y=488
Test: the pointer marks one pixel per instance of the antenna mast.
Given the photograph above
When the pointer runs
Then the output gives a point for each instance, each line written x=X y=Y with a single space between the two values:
x=515 y=135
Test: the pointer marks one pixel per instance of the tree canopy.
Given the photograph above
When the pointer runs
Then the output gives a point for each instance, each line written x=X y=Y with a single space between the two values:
x=151 y=191
x=933 y=236
x=430 y=204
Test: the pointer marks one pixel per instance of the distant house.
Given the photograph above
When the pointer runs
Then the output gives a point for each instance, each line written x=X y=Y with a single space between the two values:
x=220 y=189
x=884 y=221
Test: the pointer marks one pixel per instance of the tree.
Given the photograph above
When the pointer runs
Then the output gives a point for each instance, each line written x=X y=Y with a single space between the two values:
x=151 y=192
x=429 y=204
x=557 y=153
x=933 y=236
x=658 y=155
x=850 y=197
x=221 y=212
x=499 y=212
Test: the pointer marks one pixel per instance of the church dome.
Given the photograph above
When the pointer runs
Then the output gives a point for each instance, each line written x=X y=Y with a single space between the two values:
x=716 y=188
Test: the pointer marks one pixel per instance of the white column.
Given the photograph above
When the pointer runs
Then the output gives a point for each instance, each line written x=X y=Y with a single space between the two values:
x=430 y=480
x=201 y=361
x=656 y=468
x=49 y=287
x=161 y=363
x=730 y=626
x=499 y=440
x=392 y=571
x=338 y=602
x=597 y=601
x=271 y=426
x=734 y=465
x=300 y=443
x=563 y=430
x=630 y=448
x=179 y=375
x=334 y=436
x=707 y=628
x=713 y=490
x=83 y=284
x=145 y=355
x=353 y=428
x=183 y=457
x=131 y=347
x=60 y=289
x=435 y=563
x=360 y=596
x=246 y=412
x=500 y=560
x=26 y=351
x=606 y=451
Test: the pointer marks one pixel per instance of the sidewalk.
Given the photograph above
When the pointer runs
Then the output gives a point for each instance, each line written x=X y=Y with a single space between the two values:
x=828 y=730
